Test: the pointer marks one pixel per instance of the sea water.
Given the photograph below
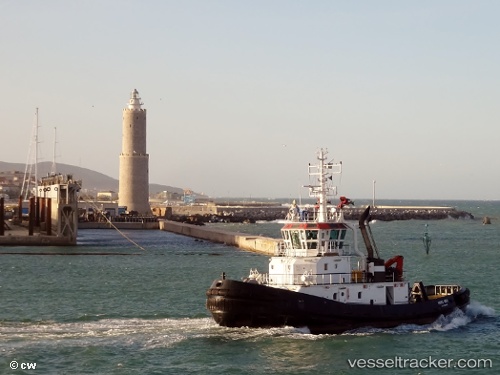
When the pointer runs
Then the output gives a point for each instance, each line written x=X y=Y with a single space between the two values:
x=143 y=311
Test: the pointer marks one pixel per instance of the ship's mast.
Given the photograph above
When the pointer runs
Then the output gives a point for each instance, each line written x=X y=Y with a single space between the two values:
x=322 y=189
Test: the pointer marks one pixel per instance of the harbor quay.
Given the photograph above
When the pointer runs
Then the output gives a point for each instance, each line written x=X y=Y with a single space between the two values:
x=18 y=235
x=139 y=223
x=47 y=219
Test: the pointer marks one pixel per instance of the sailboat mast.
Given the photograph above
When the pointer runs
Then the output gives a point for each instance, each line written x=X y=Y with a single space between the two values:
x=53 y=168
x=36 y=154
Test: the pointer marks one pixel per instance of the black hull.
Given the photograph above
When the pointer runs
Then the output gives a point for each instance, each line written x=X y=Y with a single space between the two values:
x=242 y=304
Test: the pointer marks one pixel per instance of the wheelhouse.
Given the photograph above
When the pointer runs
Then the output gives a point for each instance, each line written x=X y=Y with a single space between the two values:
x=313 y=239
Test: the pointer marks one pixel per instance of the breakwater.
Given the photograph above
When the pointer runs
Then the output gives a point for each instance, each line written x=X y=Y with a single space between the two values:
x=258 y=244
x=199 y=214
x=389 y=213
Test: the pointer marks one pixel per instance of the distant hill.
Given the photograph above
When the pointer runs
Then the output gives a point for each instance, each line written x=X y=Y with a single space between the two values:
x=91 y=180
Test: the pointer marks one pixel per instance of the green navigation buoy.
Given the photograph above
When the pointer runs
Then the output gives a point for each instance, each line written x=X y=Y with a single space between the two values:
x=427 y=240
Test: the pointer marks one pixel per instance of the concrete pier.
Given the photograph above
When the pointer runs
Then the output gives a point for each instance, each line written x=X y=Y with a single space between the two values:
x=18 y=235
x=257 y=244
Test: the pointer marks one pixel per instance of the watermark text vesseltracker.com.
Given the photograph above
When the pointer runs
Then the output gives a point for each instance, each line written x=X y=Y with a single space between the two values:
x=420 y=363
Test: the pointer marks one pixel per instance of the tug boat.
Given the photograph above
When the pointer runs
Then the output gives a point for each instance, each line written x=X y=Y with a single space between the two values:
x=319 y=279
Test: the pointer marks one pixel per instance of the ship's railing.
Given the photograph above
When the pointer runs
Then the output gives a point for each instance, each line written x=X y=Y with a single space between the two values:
x=284 y=249
x=310 y=214
x=355 y=276
x=307 y=279
x=335 y=249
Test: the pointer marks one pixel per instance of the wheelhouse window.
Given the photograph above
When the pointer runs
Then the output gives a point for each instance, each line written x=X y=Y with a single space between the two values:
x=342 y=237
x=337 y=238
x=312 y=239
x=295 y=239
x=334 y=234
x=311 y=234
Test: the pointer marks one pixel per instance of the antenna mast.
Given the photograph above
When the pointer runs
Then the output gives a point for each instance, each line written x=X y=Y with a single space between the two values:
x=322 y=188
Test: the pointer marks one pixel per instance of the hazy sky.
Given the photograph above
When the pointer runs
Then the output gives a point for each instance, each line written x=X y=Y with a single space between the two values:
x=241 y=94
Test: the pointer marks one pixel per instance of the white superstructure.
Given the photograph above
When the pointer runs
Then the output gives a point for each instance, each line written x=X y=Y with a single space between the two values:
x=319 y=252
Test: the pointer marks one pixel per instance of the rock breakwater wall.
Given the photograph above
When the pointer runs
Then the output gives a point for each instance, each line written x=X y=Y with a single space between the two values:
x=389 y=213
x=202 y=214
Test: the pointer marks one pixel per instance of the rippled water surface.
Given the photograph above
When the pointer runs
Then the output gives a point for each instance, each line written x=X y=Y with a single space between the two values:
x=143 y=312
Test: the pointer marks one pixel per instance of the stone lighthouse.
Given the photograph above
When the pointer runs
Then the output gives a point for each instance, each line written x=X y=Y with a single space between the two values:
x=133 y=190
